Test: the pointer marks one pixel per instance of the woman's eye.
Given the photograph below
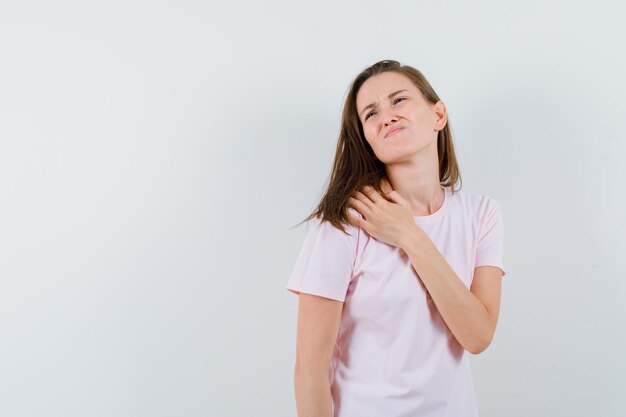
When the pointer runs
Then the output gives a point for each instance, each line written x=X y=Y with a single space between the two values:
x=395 y=101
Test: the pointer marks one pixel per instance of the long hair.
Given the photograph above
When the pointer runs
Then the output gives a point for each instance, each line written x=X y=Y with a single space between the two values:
x=355 y=163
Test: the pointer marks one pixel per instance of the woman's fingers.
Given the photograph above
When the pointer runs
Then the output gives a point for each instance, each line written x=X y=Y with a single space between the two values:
x=359 y=205
x=372 y=194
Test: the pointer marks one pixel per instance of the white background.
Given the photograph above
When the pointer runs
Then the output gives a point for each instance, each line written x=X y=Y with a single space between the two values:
x=154 y=156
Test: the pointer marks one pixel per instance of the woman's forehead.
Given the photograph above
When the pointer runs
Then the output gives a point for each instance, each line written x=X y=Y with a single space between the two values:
x=380 y=86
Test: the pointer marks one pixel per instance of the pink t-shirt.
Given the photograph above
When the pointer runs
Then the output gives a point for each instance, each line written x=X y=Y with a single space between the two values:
x=394 y=355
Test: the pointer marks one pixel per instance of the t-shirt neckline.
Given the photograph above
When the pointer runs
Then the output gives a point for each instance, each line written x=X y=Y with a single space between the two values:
x=440 y=211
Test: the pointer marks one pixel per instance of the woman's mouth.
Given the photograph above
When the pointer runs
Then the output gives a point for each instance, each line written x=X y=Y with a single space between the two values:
x=393 y=132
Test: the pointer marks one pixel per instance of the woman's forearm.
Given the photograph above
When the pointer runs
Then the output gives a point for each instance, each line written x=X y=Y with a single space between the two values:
x=464 y=314
x=312 y=389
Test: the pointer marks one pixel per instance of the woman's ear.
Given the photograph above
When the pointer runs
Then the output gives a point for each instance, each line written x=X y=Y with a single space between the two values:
x=442 y=115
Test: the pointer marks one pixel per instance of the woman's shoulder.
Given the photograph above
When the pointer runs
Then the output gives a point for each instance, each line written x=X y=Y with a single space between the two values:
x=476 y=205
x=476 y=199
x=320 y=225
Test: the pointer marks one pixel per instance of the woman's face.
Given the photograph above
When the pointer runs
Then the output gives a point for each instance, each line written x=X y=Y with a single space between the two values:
x=397 y=104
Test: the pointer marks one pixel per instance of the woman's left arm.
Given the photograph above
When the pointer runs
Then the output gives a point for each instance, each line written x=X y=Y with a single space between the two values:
x=470 y=314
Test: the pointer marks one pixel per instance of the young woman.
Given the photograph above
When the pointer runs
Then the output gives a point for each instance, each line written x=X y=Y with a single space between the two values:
x=399 y=275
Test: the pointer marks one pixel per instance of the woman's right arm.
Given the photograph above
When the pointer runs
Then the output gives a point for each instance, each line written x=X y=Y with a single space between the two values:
x=318 y=325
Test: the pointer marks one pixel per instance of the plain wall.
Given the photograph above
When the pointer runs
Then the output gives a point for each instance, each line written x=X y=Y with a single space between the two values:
x=154 y=156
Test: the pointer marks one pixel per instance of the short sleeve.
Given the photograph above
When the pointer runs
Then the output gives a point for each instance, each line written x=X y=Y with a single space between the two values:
x=326 y=261
x=490 y=245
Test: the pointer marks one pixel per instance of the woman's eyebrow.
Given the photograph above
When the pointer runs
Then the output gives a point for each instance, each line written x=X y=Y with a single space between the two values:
x=374 y=104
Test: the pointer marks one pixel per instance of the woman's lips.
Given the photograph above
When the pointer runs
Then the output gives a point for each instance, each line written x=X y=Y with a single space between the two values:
x=394 y=131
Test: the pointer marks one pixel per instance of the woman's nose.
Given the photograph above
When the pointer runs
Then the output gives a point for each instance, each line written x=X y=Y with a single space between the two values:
x=389 y=117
